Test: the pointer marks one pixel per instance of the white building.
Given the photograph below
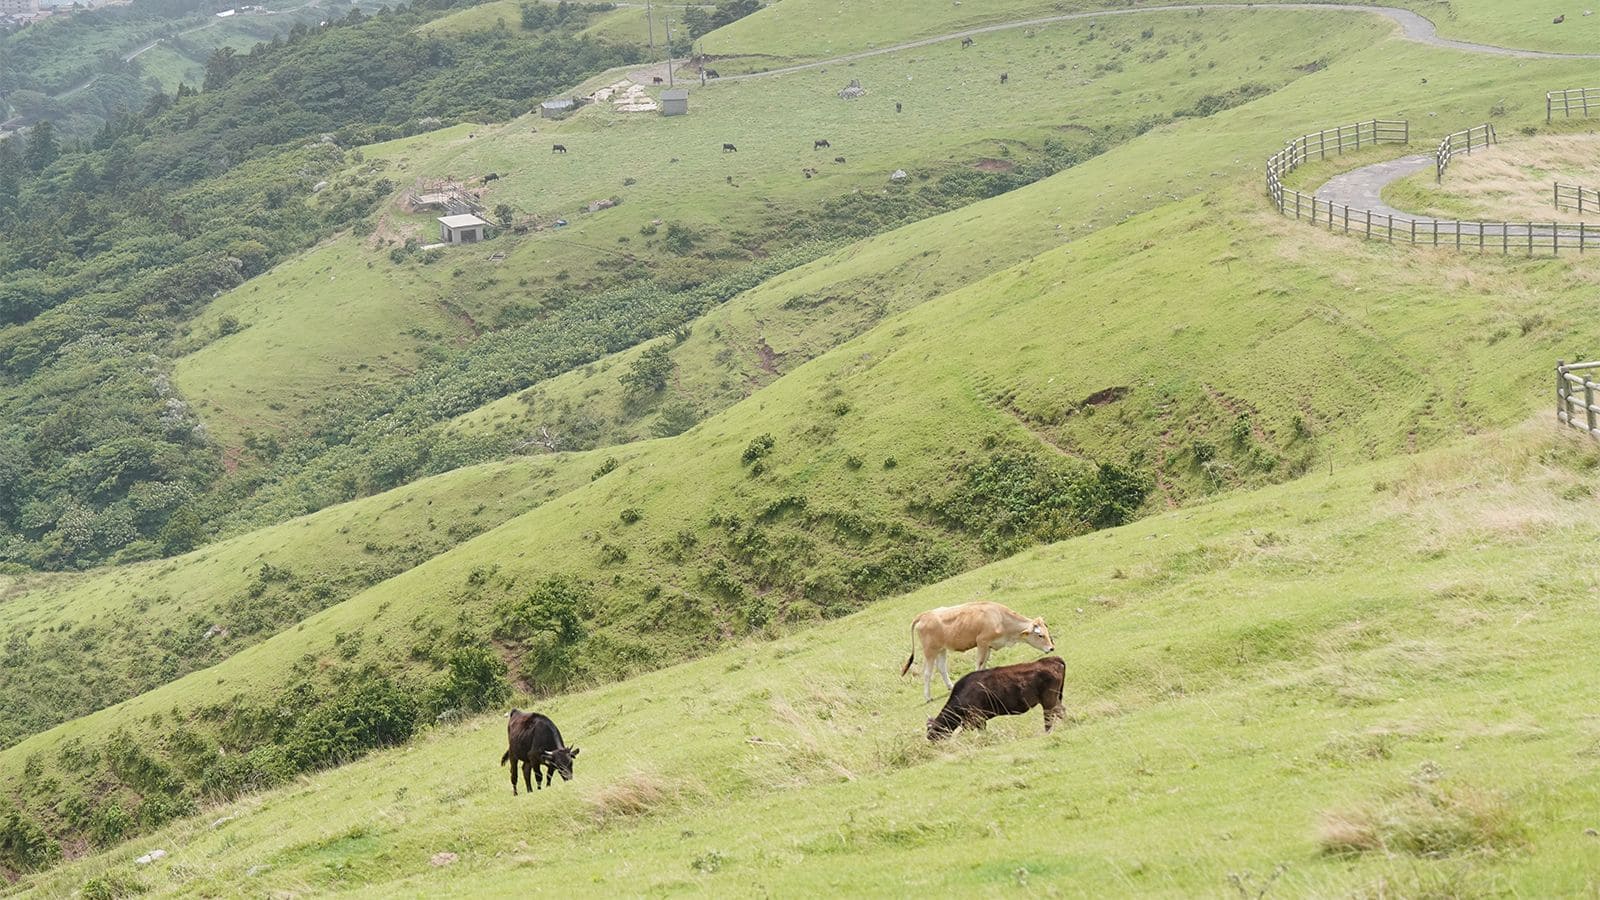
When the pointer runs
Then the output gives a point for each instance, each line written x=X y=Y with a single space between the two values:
x=465 y=229
x=19 y=7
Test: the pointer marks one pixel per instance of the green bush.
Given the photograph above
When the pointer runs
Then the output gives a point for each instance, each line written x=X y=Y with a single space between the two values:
x=474 y=682
x=758 y=447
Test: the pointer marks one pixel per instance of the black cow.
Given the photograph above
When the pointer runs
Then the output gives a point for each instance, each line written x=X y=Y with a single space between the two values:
x=966 y=42
x=1005 y=691
x=558 y=148
x=712 y=73
x=657 y=79
x=536 y=743
x=897 y=106
x=1005 y=77
x=729 y=148
x=838 y=159
x=1559 y=19
x=818 y=145
x=492 y=176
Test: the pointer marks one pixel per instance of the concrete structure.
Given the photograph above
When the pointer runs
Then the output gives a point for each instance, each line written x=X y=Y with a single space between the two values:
x=554 y=109
x=674 y=102
x=19 y=7
x=465 y=229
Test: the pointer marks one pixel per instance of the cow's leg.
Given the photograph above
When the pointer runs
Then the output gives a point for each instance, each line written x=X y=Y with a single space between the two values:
x=1052 y=715
x=944 y=669
x=514 y=765
x=928 y=665
x=526 y=765
x=983 y=656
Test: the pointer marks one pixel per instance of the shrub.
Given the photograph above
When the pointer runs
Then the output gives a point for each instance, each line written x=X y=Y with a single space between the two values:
x=1427 y=819
x=371 y=712
x=605 y=468
x=631 y=515
x=475 y=682
x=758 y=447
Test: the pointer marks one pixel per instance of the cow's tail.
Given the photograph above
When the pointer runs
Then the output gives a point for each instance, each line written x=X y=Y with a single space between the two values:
x=505 y=757
x=913 y=657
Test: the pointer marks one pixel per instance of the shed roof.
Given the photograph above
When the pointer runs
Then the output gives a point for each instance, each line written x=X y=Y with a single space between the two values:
x=675 y=94
x=461 y=221
x=557 y=104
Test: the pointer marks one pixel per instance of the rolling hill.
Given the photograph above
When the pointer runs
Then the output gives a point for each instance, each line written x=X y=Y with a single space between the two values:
x=1311 y=566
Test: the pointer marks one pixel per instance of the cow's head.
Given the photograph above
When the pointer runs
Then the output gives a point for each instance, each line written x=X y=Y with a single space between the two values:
x=938 y=730
x=561 y=758
x=1038 y=636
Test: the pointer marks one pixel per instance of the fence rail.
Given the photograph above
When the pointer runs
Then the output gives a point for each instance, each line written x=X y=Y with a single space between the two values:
x=1576 y=197
x=1336 y=140
x=1482 y=237
x=1575 y=397
x=1578 y=100
x=1474 y=138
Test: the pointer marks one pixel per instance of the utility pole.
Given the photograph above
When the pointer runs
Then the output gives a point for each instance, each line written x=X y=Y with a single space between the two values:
x=650 y=23
x=669 y=50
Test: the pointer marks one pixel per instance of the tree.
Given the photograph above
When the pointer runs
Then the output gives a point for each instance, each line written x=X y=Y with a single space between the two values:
x=42 y=147
x=647 y=375
x=503 y=214
x=221 y=66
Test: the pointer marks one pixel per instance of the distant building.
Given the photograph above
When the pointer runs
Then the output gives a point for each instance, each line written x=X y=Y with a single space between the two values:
x=674 y=102
x=19 y=7
x=463 y=229
x=555 y=109
x=227 y=14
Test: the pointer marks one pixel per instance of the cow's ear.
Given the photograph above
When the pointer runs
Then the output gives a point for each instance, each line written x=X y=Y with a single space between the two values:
x=574 y=751
x=544 y=755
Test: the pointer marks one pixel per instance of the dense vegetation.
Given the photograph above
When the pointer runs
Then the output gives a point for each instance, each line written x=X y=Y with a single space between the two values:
x=108 y=249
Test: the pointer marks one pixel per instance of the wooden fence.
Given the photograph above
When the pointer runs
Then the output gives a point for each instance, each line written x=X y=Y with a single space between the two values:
x=1575 y=397
x=1572 y=100
x=1577 y=198
x=1475 y=138
x=1335 y=141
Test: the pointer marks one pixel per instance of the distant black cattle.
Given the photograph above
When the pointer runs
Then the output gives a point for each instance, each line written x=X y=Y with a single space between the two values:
x=1005 y=77
x=657 y=79
x=729 y=148
x=966 y=42
x=536 y=744
x=897 y=106
x=712 y=73
x=838 y=159
x=1005 y=691
x=1559 y=19
x=558 y=148
x=818 y=145
x=492 y=176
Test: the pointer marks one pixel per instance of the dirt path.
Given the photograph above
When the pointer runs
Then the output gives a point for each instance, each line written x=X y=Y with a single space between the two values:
x=1413 y=26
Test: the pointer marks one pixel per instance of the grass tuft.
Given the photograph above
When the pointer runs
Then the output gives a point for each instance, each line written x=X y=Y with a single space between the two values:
x=1425 y=818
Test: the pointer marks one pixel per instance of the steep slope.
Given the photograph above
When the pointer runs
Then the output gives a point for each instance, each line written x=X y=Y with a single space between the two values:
x=1331 y=687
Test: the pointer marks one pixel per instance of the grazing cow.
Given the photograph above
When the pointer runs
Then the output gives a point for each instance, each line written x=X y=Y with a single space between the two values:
x=1005 y=77
x=1559 y=19
x=558 y=148
x=982 y=624
x=536 y=743
x=966 y=42
x=729 y=148
x=897 y=106
x=712 y=73
x=657 y=79
x=838 y=159
x=818 y=145
x=1005 y=691
x=492 y=176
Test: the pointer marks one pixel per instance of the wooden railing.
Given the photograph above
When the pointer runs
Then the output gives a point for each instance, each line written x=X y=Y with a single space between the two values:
x=1483 y=237
x=1575 y=397
x=1475 y=138
x=1572 y=100
x=1576 y=198
x=1335 y=141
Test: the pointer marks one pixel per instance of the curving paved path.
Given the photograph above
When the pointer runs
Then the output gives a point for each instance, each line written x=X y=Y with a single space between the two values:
x=1362 y=189
x=1413 y=27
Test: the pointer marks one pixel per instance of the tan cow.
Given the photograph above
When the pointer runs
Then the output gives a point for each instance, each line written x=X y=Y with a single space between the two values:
x=982 y=624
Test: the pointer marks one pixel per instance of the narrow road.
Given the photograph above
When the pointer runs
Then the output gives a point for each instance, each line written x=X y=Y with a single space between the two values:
x=1413 y=27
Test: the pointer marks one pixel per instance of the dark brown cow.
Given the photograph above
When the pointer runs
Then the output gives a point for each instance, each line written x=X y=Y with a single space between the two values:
x=536 y=743
x=818 y=145
x=729 y=148
x=558 y=148
x=1005 y=691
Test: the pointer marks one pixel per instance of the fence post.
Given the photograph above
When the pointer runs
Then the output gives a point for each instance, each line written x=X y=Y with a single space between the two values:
x=1561 y=390
x=1583 y=231
x=1347 y=218
x=1391 y=228
x=1413 y=232
x=1369 y=224
x=1505 y=240
x=1588 y=404
x=1547 y=108
x=1458 y=235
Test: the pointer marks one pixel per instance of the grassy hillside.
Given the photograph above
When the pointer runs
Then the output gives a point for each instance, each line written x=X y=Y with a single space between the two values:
x=1074 y=84
x=1250 y=703
x=797 y=30
x=74 y=644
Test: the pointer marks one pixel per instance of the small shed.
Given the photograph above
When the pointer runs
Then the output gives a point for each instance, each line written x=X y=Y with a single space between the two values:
x=463 y=229
x=674 y=102
x=555 y=109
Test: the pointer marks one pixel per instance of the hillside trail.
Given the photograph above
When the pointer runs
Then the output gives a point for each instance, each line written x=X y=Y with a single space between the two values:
x=1413 y=27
